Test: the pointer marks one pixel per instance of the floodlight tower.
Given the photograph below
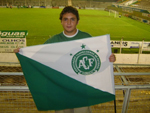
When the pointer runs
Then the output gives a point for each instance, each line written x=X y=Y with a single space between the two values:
x=69 y=3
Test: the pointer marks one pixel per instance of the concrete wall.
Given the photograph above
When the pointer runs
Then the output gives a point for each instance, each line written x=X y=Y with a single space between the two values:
x=133 y=58
x=120 y=58
x=8 y=57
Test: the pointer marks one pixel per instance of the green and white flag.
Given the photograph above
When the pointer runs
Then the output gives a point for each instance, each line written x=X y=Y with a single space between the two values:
x=69 y=74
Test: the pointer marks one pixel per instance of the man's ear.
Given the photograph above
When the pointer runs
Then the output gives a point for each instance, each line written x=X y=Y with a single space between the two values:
x=77 y=22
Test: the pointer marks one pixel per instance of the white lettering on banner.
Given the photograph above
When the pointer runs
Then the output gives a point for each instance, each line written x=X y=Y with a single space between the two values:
x=12 y=33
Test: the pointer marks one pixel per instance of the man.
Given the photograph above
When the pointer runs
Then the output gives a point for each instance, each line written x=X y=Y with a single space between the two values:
x=69 y=19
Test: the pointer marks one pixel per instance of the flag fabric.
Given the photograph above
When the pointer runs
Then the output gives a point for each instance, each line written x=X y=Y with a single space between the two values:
x=69 y=74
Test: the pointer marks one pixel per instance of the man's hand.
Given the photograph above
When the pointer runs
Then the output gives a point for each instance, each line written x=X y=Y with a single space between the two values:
x=16 y=50
x=112 y=58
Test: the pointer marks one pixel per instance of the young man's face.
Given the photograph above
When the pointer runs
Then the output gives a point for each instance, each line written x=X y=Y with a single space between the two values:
x=69 y=23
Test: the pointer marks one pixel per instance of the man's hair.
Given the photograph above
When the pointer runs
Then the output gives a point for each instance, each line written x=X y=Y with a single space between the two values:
x=69 y=9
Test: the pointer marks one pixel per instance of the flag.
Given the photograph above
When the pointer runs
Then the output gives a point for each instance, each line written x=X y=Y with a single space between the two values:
x=69 y=74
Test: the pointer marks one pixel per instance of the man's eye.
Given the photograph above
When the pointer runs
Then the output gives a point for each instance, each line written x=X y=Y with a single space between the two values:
x=65 y=19
x=72 y=19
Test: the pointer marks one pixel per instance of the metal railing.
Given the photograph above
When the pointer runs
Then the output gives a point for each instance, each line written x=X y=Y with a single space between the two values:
x=132 y=87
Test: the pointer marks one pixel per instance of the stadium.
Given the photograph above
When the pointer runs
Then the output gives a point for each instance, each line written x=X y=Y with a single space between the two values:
x=32 y=22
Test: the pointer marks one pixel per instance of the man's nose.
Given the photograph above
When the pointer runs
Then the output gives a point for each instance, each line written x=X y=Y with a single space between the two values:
x=69 y=21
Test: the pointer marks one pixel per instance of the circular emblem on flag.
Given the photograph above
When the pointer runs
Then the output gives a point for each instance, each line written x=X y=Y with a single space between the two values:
x=86 y=62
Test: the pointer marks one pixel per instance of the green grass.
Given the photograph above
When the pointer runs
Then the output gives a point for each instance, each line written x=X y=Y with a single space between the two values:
x=42 y=23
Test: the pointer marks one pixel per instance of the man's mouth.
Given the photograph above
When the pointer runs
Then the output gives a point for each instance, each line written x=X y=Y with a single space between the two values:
x=68 y=26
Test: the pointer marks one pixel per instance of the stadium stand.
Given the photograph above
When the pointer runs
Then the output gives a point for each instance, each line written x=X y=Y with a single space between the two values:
x=90 y=4
x=58 y=3
x=128 y=2
x=144 y=4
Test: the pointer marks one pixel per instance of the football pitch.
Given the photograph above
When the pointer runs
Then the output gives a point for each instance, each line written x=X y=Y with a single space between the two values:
x=43 y=23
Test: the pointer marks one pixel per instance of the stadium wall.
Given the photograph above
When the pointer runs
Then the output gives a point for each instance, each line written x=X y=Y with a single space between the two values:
x=120 y=58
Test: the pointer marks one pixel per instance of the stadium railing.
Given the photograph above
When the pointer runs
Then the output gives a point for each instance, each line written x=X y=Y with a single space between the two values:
x=132 y=87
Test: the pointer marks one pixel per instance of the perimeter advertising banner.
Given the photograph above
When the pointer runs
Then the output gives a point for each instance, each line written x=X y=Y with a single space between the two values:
x=11 y=39
x=130 y=44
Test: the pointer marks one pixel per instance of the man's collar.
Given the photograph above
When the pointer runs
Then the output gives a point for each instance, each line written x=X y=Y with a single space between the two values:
x=71 y=35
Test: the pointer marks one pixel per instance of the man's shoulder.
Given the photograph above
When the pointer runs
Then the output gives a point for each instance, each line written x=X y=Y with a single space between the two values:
x=53 y=38
x=57 y=35
x=85 y=34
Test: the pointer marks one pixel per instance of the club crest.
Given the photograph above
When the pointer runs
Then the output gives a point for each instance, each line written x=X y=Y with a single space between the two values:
x=86 y=62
